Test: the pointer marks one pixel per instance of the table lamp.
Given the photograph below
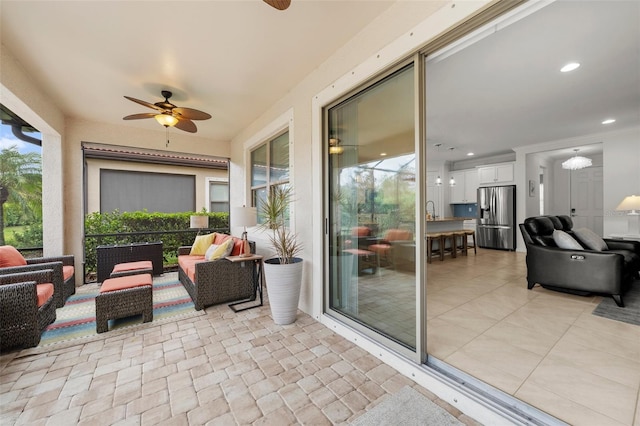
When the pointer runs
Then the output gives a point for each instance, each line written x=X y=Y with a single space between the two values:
x=632 y=205
x=244 y=216
x=199 y=222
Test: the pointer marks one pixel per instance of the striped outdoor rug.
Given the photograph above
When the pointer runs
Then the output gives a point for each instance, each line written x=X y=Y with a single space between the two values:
x=77 y=319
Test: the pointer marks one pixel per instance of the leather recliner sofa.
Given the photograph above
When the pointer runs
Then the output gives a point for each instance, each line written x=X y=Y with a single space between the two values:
x=578 y=271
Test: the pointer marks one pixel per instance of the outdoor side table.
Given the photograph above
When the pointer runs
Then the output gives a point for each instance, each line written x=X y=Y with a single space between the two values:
x=257 y=263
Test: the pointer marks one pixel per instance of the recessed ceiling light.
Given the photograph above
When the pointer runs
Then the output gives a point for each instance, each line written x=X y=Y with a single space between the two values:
x=383 y=154
x=609 y=121
x=570 y=67
x=470 y=154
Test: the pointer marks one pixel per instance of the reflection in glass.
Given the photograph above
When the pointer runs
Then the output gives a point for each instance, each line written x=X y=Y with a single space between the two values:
x=259 y=166
x=372 y=196
x=279 y=167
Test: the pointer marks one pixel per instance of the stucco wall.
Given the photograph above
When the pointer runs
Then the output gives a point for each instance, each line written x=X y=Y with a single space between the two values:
x=78 y=131
x=387 y=39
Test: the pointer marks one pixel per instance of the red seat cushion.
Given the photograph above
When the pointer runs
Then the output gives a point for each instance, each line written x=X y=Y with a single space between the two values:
x=380 y=248
x=132 y=266
x=130 y=281
x=188 y=265
x=44 y=292
x=67 y=271
x=359 y=252
x=9 y=256
x=360 y=231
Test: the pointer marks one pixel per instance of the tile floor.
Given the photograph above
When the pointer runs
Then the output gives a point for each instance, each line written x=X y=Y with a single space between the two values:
x=541 y=346
x=221 y=368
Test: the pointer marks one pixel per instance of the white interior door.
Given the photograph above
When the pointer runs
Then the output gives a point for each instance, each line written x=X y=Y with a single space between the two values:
x=586 y=199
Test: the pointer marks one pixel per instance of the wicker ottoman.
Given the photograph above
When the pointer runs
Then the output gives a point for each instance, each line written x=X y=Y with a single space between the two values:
x=122 y=297
x=132 y=268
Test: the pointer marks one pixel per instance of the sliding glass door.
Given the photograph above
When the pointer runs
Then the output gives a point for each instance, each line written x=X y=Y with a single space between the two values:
x=371 y=197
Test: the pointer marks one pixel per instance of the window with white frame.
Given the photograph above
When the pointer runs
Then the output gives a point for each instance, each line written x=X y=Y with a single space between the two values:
x=218 y=196
x=269 y=168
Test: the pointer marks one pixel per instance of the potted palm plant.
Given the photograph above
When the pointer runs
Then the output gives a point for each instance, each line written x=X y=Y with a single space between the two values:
x=283 y=273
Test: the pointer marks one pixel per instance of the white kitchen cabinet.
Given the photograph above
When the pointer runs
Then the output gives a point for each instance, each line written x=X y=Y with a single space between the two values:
x=496 y=174
x=464 y=191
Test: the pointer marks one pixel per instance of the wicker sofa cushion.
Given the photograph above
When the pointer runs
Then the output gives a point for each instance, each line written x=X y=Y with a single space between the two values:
x=187 y=263
x=129 y=281
x=67 y=271
x=9 y=256
x=201 y=244
x=44 y=292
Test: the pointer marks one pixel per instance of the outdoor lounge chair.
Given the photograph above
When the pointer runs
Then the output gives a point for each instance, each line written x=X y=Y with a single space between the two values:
x=27 y=307
x=64 y=281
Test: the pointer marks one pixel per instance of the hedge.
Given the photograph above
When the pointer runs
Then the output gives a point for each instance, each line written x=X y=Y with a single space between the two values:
x=130 y=227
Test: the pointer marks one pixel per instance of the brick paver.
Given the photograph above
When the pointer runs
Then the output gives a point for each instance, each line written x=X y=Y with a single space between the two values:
x=219 y=368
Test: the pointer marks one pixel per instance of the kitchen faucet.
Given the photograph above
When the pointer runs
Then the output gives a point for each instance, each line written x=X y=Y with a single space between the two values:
x=434 y=208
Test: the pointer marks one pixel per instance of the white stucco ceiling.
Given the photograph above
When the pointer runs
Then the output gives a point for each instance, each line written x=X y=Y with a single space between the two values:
x=234 y=59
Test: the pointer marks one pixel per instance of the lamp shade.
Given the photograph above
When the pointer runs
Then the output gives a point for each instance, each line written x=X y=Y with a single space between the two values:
x=632 y=202
x=244 y=216
x=198 y=221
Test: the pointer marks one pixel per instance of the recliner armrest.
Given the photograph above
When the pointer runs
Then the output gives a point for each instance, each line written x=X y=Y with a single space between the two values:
x=630 y=245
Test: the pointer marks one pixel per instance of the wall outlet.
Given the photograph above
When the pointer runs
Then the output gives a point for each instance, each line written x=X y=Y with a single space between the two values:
x=469 y=208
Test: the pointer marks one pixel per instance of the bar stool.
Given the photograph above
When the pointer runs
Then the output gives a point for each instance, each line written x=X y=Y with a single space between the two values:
x=462 y=244
x=431 y=237
x=472 y=233
x=450 y=236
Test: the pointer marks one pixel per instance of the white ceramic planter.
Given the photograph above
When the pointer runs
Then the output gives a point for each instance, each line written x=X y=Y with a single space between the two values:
x=283 y=288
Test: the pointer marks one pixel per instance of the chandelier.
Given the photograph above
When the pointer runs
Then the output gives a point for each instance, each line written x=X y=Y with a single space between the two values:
x=576 y=162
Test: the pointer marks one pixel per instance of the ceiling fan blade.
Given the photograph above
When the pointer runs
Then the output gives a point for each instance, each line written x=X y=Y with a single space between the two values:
x=144 y=103
x=191 y=114
x=186 y=125
x=139 y=116
x=278 y=4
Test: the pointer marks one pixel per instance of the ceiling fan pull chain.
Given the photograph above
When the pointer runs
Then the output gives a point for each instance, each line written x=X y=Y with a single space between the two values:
x=167 y=130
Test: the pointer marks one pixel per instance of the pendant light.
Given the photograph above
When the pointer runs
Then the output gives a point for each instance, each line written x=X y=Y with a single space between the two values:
x=576 y=162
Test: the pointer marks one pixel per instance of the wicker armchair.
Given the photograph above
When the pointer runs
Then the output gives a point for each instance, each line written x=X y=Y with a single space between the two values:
x=64 y=281
x=22 y=321
x=217 y=281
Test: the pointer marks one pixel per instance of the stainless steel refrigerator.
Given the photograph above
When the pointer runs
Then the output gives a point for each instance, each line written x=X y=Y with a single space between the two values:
x=496 y=224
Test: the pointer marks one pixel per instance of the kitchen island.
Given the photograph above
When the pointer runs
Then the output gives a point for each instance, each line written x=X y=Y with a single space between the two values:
x=443 y=224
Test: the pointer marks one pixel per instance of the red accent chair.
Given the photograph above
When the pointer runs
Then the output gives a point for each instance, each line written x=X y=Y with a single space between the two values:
x=384 y=247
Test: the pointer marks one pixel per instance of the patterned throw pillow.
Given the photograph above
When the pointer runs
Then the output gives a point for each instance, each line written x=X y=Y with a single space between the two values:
x=216 y=252
x=591 y=239
x=565 y=241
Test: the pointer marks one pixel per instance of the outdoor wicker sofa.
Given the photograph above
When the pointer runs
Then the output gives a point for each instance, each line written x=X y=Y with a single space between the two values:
x=27 y=307
x=216 y=281
x=64 y=281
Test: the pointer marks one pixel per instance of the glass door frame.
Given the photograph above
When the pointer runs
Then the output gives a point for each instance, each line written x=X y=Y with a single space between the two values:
x=419 y=355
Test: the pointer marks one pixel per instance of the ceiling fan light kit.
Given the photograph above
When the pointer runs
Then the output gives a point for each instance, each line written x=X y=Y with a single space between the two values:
x=166 y=120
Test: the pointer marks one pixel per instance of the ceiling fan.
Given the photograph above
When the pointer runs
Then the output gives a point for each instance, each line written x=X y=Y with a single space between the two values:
x=170 y=115
x=278 y=4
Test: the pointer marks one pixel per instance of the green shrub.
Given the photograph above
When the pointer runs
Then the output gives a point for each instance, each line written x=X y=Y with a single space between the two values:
x=31 y=236
x=136 y=227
